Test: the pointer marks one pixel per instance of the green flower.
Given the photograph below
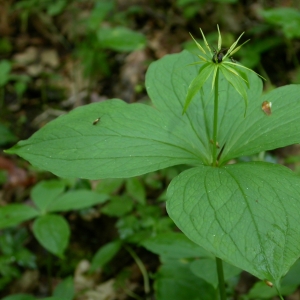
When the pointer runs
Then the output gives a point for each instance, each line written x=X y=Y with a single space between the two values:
x=214 y=61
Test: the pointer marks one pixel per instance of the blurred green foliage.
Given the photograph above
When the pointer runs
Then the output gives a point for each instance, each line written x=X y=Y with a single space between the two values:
x=13 y=255
x=140 y=218
x=285 y=18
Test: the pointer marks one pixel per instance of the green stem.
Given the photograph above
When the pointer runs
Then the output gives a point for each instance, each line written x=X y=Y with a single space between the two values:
x=142 y=269
x=215 y=140
x=215 y=129
x=221 y=278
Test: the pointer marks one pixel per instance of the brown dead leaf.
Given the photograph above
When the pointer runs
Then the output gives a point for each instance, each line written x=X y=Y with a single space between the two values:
x=27 y=283
x=50 y=58
x=82 y=280
x=16 y=176
x=132 y=73
x=29 y=56
x=34 y=70
x=104 y=291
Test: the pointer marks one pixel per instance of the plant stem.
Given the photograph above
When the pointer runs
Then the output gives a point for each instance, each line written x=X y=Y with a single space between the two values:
x=215 y=128
x=221 y=278
x=215 y=136
x=142 y=269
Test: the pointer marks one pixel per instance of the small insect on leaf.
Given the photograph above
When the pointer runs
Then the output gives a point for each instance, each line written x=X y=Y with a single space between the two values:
x=266 y=107
x=269 y=283
x=96 y=121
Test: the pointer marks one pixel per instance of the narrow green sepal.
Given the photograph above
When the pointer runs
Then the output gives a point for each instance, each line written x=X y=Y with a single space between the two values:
x=197 y=84
x=238 y=84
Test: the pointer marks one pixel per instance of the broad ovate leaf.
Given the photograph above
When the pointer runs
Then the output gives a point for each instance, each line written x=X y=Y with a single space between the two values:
x=14 y=214
x=174 y=245
x=78 y=199
x=105 y=254
x=246 y=214
x=45 y=192
x=53 y=233
x=259 y=131
x=111 y=140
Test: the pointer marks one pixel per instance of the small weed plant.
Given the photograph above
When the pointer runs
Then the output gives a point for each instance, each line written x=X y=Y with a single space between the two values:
x=205 y=114
x=49 y=198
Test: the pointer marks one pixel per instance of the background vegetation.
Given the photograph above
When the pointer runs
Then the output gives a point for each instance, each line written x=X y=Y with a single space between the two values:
x=57 y=55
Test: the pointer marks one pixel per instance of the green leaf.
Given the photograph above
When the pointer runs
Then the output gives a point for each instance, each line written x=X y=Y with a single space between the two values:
x=175 y=246
x=292 y=278
x=176 y=281
x=289 y=284
x=6 y=136
x=56 y=7
x=200 y=112
x=5 y=46
x=206 y=269
x=78 y=199
x=109 y=186
x=5 y=67
x=197 y=84
x=286 y=17
x=243 y=75
x=246 y=214
x=65 y=289
x=52 y=232
x=14 y=214
x=25 y=258
x=238 y=84
x=20 y=88
x=45 y=192
x=134 y=139
x=258 y=131
x=100 y=11
x=128 y=140
x=131 y=140
x=262 y=291
x=94 y=62
x=105 y=254
x=118 y=206
x=136 y=190
x=120 y=39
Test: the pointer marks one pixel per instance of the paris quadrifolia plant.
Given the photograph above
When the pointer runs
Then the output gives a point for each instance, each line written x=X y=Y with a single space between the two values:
x=204 y=116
